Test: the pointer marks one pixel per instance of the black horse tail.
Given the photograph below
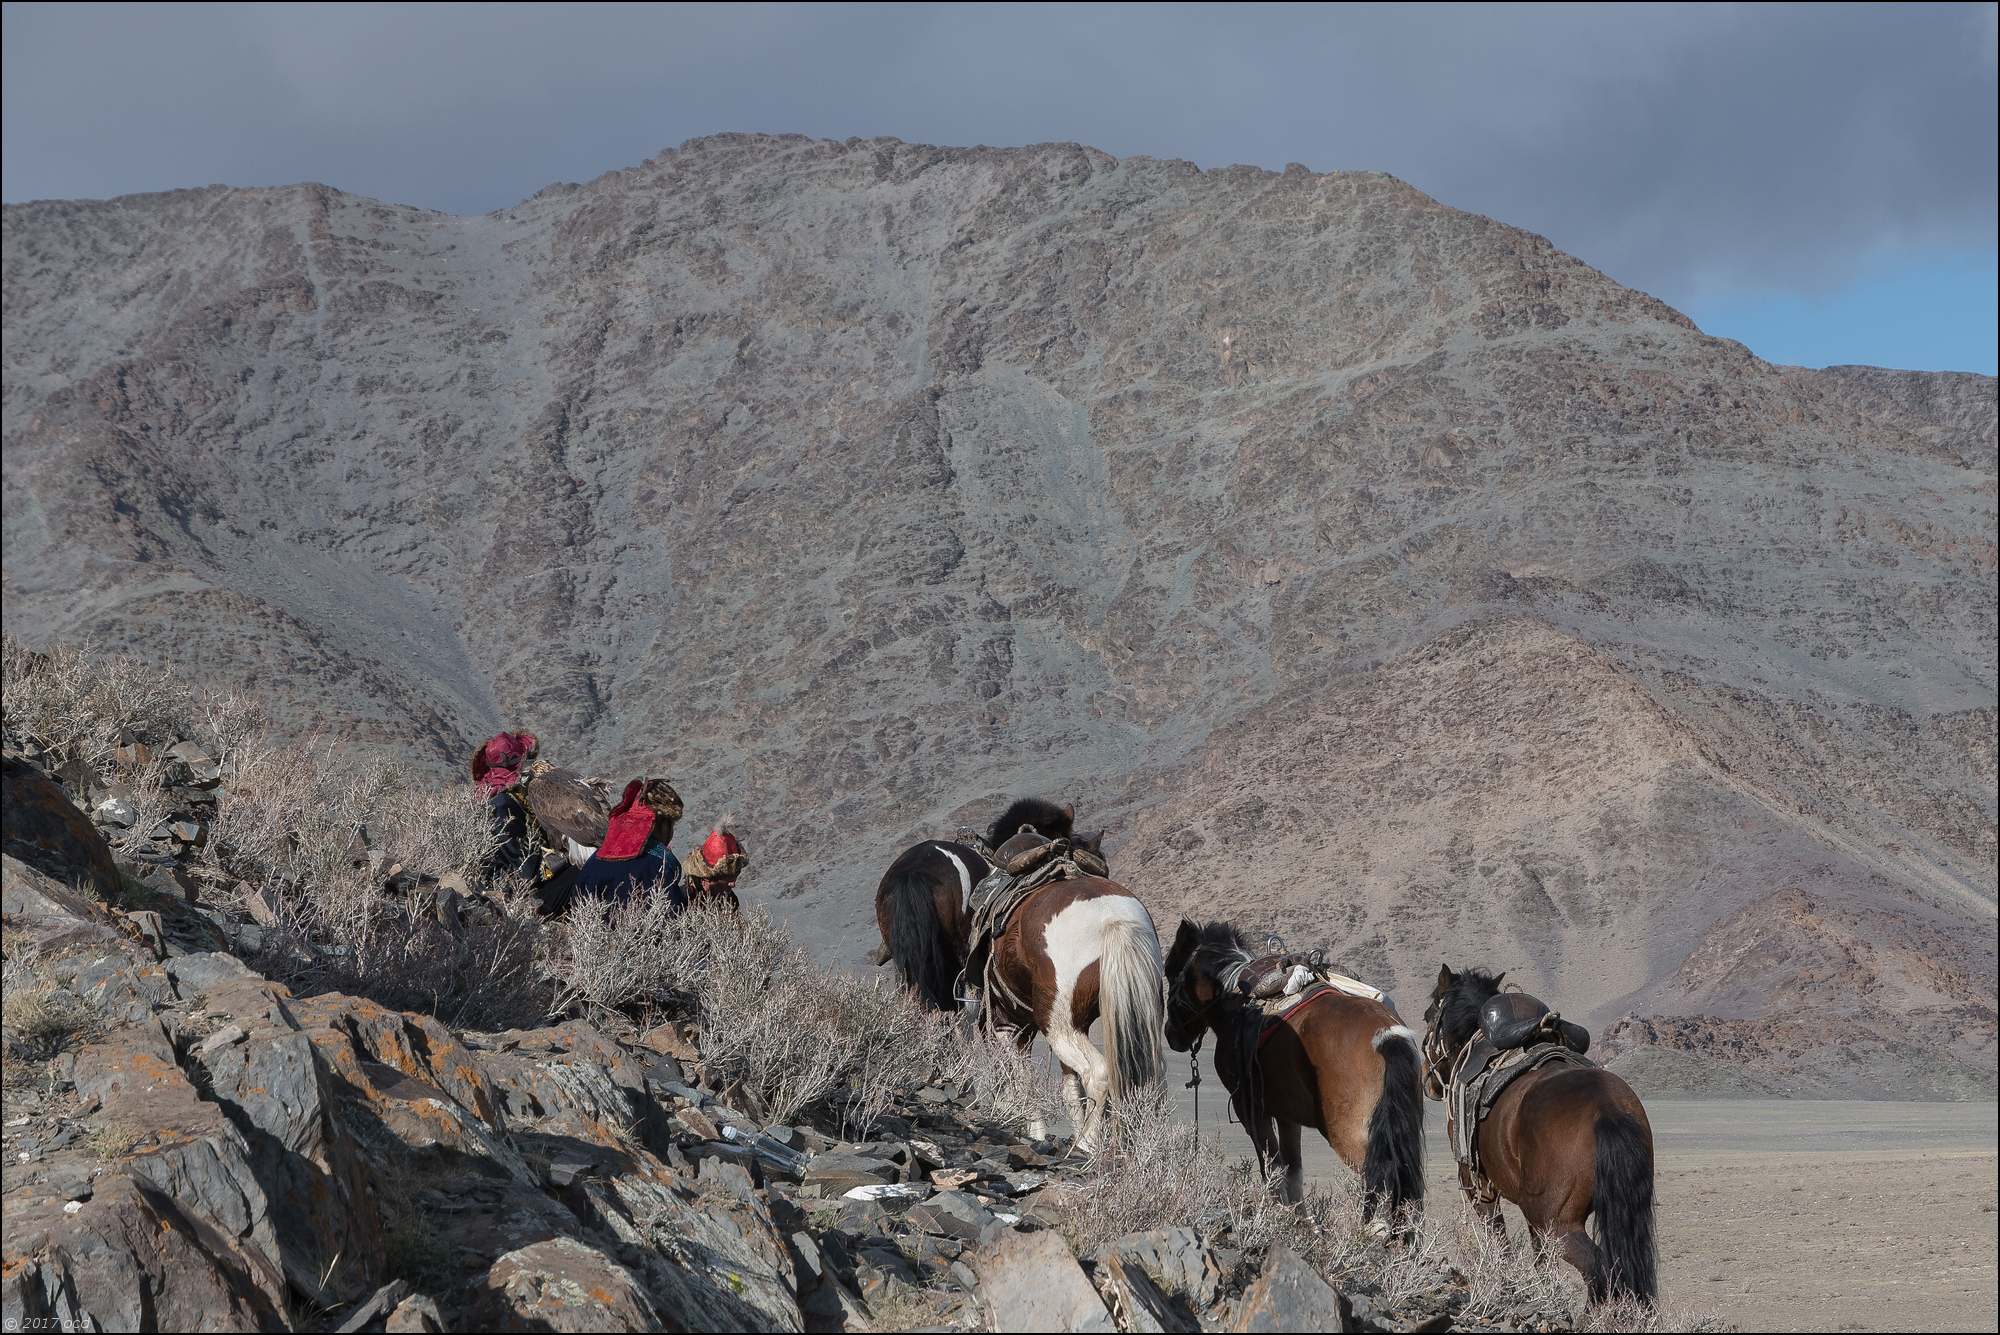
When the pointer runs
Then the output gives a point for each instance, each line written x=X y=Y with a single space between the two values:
x=917 y=939
x=1392 y=1166
x=1627 y=1264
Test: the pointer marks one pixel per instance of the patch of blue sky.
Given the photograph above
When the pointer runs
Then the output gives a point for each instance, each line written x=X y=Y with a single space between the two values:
x=1923 y=311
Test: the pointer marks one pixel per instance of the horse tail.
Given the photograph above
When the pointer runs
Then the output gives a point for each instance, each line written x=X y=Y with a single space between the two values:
x=1627 y=1263
x=1131 y=990
x=917 y=938
x=1392 y=1165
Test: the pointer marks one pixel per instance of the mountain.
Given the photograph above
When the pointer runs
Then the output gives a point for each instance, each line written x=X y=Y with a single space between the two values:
x=1376 y=572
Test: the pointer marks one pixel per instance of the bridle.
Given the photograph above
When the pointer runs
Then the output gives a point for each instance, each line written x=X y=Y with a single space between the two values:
x=1440 y=1059
x=1179 y=1006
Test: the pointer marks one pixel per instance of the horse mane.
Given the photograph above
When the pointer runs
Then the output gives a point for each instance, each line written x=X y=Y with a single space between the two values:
x=1217 y=946
x=1052 y=820
x=1458 y=1016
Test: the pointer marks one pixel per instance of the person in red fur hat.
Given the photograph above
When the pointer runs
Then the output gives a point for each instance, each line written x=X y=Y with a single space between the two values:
x=634 y=854
x=496 y=765
x=713 y=868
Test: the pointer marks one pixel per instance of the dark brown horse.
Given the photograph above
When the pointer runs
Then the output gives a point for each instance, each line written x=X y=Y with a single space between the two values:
x=1074 y=952
x=1344 y=1065
x=1563 y=1142
x=921 y=904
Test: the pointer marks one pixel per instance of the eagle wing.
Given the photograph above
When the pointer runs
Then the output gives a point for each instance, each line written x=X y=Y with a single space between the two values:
x=567 y=806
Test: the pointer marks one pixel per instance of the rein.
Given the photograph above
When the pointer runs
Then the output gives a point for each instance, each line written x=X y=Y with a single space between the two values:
x=1251 y=1075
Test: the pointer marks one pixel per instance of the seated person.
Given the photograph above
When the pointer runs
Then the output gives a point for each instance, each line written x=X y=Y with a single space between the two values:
x=634 y=854
x=713 y=868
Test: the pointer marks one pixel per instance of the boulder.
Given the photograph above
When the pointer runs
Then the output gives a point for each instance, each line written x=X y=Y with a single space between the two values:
x=1290 y=1296
x=562 y=1284
x=44 y=829
x=1032 y=1282
x=1176 y=1259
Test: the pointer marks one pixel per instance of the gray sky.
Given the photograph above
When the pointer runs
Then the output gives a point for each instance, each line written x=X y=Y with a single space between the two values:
x=1698 y=152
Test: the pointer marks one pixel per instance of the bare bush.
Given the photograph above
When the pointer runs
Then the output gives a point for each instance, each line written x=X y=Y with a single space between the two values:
x=41 y=1017
x=1160 y=1174
x=1010 y=1087
x=315 y=832
x=75 y=705
x=773 y=1021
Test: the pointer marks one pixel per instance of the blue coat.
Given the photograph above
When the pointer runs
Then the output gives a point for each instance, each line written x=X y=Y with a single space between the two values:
x=617 y=880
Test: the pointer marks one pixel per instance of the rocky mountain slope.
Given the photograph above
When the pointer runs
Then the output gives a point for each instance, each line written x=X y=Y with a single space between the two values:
x=1377 y=572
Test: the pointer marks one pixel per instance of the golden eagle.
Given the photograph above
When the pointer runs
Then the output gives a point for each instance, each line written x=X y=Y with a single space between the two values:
x=566 y=805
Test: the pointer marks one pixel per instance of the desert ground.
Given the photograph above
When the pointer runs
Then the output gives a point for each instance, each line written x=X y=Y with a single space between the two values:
x=1795 y=1215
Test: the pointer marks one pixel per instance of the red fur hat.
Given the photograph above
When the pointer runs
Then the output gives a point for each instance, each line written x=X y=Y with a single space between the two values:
x=631 y=825
x=720 y=855
x=497 y=764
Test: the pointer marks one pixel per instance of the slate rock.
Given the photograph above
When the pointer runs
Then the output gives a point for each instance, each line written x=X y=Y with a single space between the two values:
x=835 y=1172
x=1176 y=1259
x=1290 y=1296
x=44 y=829
x=415 y=1315
x=1032 y=1282
x=1145 y=1306
x=374 y=1313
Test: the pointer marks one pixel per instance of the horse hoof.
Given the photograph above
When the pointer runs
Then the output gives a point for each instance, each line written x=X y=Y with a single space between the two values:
x=1378 y=1227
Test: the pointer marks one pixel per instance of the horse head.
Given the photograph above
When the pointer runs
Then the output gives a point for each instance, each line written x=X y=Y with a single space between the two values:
x=1453 y=1016
x=1201 y=955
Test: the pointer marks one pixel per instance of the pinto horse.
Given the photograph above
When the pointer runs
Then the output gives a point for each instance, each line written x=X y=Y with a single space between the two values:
x=1343 y=1064
x=922 y=905
x=1562 y=1142
x=1074 y=952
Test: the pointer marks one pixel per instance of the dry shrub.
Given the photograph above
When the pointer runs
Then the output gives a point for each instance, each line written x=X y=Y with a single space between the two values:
x=75 y=705
x=791 y=1032
x=1160 y=1175
x=41 y=1017
x=608 y=957
x=1011 y=1088
x=295 y=825
x=1157 y=1174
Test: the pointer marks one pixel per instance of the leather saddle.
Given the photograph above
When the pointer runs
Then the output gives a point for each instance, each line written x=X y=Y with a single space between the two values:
x=1267 y=975
x=1023 y=853
x=1513 y=1020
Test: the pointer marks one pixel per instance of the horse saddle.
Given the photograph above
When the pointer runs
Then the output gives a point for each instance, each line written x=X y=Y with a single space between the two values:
x=1512 y=1020
x=1484 y=1075
x=1024 y=852
x=1023 y=864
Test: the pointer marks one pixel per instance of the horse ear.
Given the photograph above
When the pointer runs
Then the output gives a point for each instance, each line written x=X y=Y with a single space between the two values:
x=1445 y=977
x=1498 y=976
x=1185 y=940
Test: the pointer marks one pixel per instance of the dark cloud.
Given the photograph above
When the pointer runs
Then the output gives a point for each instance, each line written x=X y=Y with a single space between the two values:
x=1681 y=148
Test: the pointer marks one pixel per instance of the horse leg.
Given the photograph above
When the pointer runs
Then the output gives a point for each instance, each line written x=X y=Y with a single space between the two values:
x=1485 y=1206
x=1292 y=1156
x=1073 y=1102
x=1581 y=1252
x=1263 y=1133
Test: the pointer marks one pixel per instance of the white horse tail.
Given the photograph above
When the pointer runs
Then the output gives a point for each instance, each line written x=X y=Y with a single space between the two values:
x=1131 y=988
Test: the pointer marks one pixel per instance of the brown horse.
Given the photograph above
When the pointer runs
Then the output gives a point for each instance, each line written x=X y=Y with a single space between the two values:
x=1076 y=951
x=921 y=904
x=1562 y=1142
x=1346 y=1065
